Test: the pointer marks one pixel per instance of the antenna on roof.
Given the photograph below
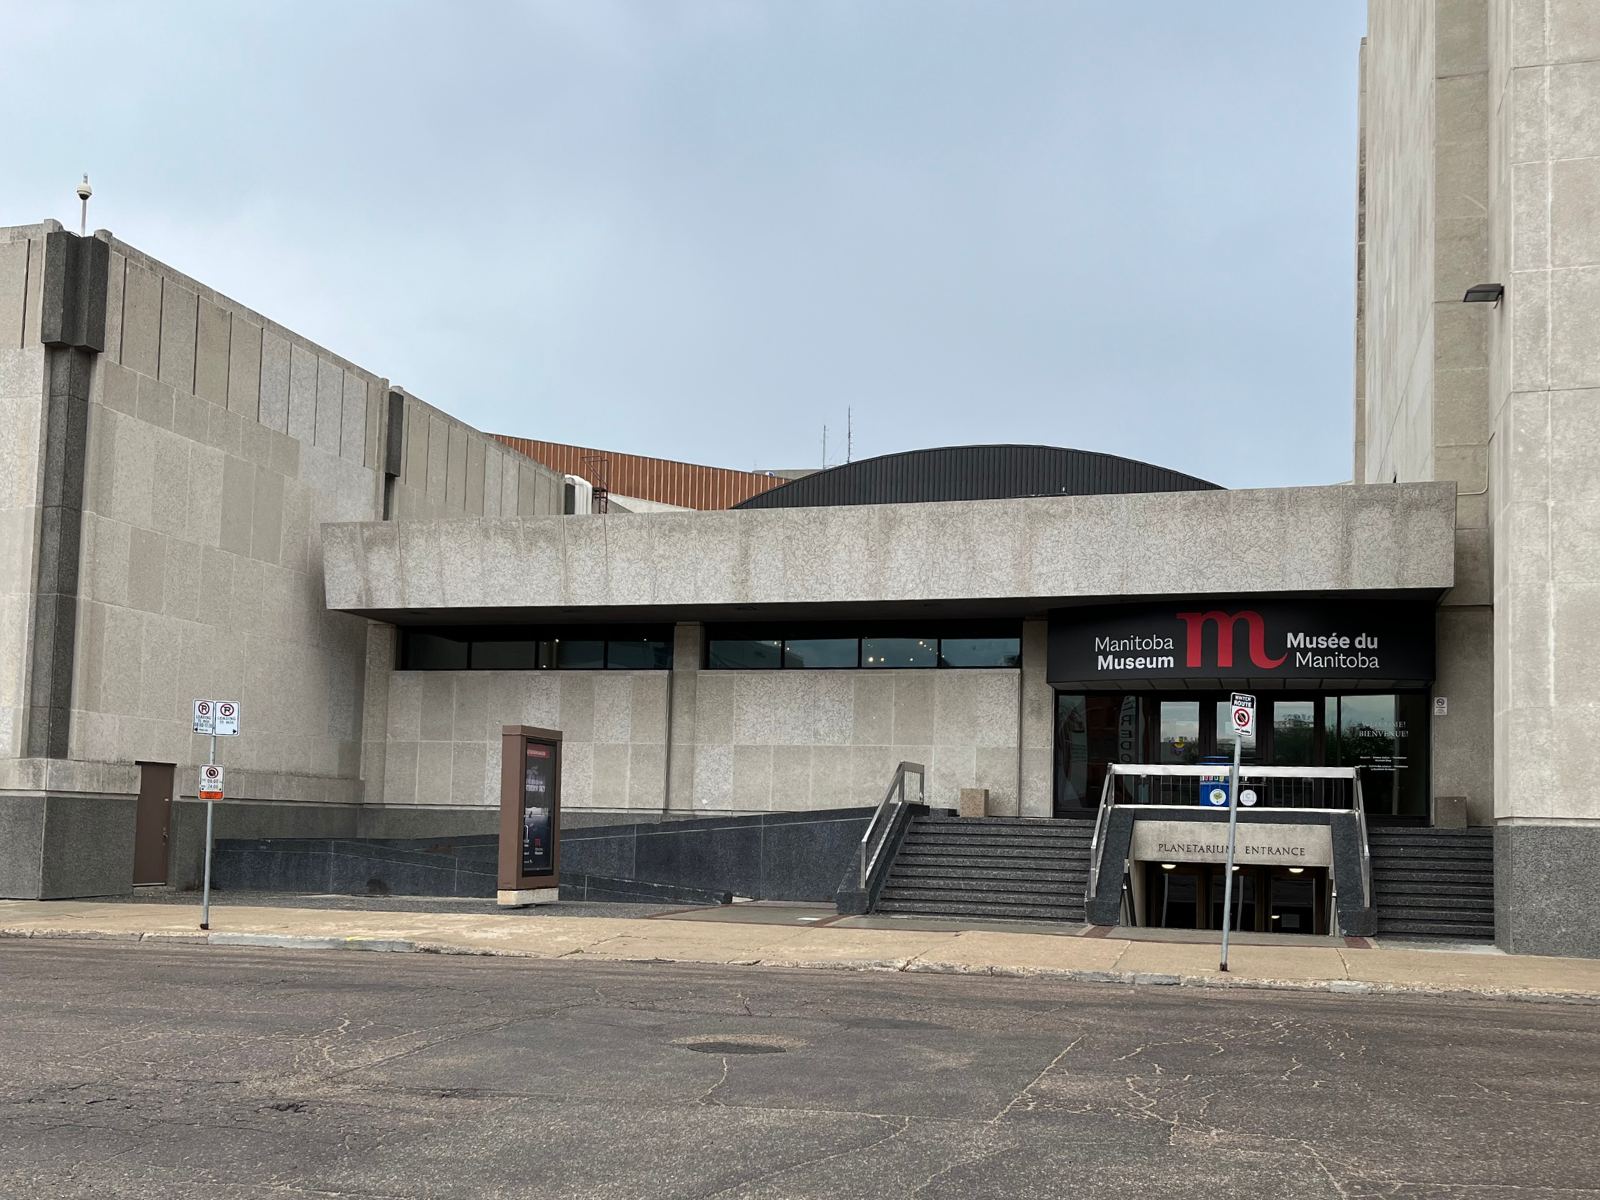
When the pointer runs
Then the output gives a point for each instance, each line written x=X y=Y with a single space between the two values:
x=849 y=433
x=824 y=447
x=84 y=192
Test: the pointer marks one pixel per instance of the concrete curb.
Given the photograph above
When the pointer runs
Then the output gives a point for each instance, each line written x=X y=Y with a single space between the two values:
x=1138 y=979
x=283 y=941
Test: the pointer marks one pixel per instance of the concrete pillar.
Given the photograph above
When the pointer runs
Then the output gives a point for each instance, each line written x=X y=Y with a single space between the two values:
x=1036 y=724
x=375 y=709
x=688 y=644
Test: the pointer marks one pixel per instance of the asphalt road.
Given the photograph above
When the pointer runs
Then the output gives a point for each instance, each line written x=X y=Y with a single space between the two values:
x=134 y=1070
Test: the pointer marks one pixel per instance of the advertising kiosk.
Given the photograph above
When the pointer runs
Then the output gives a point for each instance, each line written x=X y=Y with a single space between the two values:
x=530 y=816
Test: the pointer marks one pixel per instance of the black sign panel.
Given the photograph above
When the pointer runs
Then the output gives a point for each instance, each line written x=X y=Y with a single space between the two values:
x=1243 y=638
x=538 y=799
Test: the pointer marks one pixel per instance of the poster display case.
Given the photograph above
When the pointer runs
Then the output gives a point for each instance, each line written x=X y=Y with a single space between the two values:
x=530 y=815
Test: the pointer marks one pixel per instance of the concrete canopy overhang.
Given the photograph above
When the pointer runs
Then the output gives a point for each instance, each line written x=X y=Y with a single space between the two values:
x=984 y=558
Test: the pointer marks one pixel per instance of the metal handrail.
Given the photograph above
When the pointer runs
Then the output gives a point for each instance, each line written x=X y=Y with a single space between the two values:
x=1366 y=849
x=1223 y=768
x=897 y=788
x=1108 y=802
x=1097 y=842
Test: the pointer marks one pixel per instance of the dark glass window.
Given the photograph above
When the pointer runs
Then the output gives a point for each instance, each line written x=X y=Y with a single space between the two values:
x=1387 y=737
x=822 y=652
x=740 y=654
x=638 y=656
x=1294 y=728
x=980 y=652
x=580 y=655
x=431 y=652
x=505 y=656
x=532 y=648
x=840 y=645
x=899 y=652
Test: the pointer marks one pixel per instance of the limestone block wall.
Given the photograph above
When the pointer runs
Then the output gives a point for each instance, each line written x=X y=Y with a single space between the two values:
x=218 y=444
x=443 y=735
x=1423 y=398
x=448 y=468
x=1544 y=345
x=1399 y=293
x=22 y=379
x=777 y=741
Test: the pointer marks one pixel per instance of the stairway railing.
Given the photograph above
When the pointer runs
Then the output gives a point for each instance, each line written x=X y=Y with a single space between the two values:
x=1169 y=776
x=883 y=822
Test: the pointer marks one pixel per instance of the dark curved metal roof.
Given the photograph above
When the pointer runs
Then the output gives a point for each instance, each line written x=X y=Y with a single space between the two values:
x=975 y=473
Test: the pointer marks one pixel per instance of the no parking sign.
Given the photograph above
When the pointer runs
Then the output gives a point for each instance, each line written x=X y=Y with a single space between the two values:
x=1243 y=710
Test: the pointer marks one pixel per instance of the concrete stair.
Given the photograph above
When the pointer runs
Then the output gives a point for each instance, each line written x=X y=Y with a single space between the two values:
x=1004 y=868
x=1433 y=882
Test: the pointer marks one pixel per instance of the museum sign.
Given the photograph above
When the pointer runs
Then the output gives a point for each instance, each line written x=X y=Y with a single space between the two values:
x=1241 y=637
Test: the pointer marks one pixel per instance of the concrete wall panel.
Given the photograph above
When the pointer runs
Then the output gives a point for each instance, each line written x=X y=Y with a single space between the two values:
x=302 y=394
x=244 y=369
x=179 y=316
x=213 y=333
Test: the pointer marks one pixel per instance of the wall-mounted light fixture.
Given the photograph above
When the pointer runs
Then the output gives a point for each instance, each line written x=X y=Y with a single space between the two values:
x=1484 y=293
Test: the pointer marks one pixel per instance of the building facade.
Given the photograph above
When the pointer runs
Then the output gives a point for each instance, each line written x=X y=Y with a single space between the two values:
x=196 y=502
x=1481 y=165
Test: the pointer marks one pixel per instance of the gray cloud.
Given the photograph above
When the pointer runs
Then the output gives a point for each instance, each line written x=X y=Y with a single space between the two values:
x=703 y=230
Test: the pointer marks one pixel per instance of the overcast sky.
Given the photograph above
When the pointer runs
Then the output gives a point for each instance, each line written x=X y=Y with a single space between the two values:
x=705 y=230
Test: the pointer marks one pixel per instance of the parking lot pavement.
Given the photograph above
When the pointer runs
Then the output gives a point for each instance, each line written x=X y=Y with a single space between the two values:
x=811 y=935
x=137 y=1069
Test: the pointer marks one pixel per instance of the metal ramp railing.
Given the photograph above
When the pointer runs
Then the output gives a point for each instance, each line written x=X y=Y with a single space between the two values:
x=1286 y=788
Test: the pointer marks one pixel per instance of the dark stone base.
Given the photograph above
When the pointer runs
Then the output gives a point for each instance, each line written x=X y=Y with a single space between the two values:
x=772 y=856
x=262 y=819
x=355 y=867
x=1545 y=899
x=56 y=847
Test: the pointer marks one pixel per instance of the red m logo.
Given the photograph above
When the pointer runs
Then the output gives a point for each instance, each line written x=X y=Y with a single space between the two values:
x=1258 y=637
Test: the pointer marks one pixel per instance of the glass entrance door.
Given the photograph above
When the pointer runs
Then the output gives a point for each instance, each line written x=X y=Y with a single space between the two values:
x=1386 y=735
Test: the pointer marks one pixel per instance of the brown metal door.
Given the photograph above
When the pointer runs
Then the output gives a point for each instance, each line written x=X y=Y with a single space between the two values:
x=153 y=823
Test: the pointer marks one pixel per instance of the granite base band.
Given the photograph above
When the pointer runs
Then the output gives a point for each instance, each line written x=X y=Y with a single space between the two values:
x=523 y=898
x=1545 y=901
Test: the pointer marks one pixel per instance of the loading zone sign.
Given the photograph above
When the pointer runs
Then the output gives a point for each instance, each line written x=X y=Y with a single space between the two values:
x=211 y=782
x=218 y=718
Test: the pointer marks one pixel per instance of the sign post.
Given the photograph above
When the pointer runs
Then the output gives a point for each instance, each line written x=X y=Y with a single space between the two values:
x=214 y=718
x=1242 y=716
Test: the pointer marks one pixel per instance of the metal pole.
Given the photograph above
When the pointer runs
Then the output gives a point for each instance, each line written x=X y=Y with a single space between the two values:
x=205 y=895
x=1233 y=829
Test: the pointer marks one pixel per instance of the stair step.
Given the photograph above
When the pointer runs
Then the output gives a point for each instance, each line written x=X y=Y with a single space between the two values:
x=1443 y=881
x=1005 y=823
x=965 y=850
x=1474 y=866
x=1446 y=916
x=1484 y=932
x=987 y=871
x=1045 y=862
x=1050 y=845
x=901 y=886
x=1421 y=849
x=1410 y=907
x=1009 y=912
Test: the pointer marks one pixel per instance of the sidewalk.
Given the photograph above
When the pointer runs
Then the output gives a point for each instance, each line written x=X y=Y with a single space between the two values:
x=801 y=936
